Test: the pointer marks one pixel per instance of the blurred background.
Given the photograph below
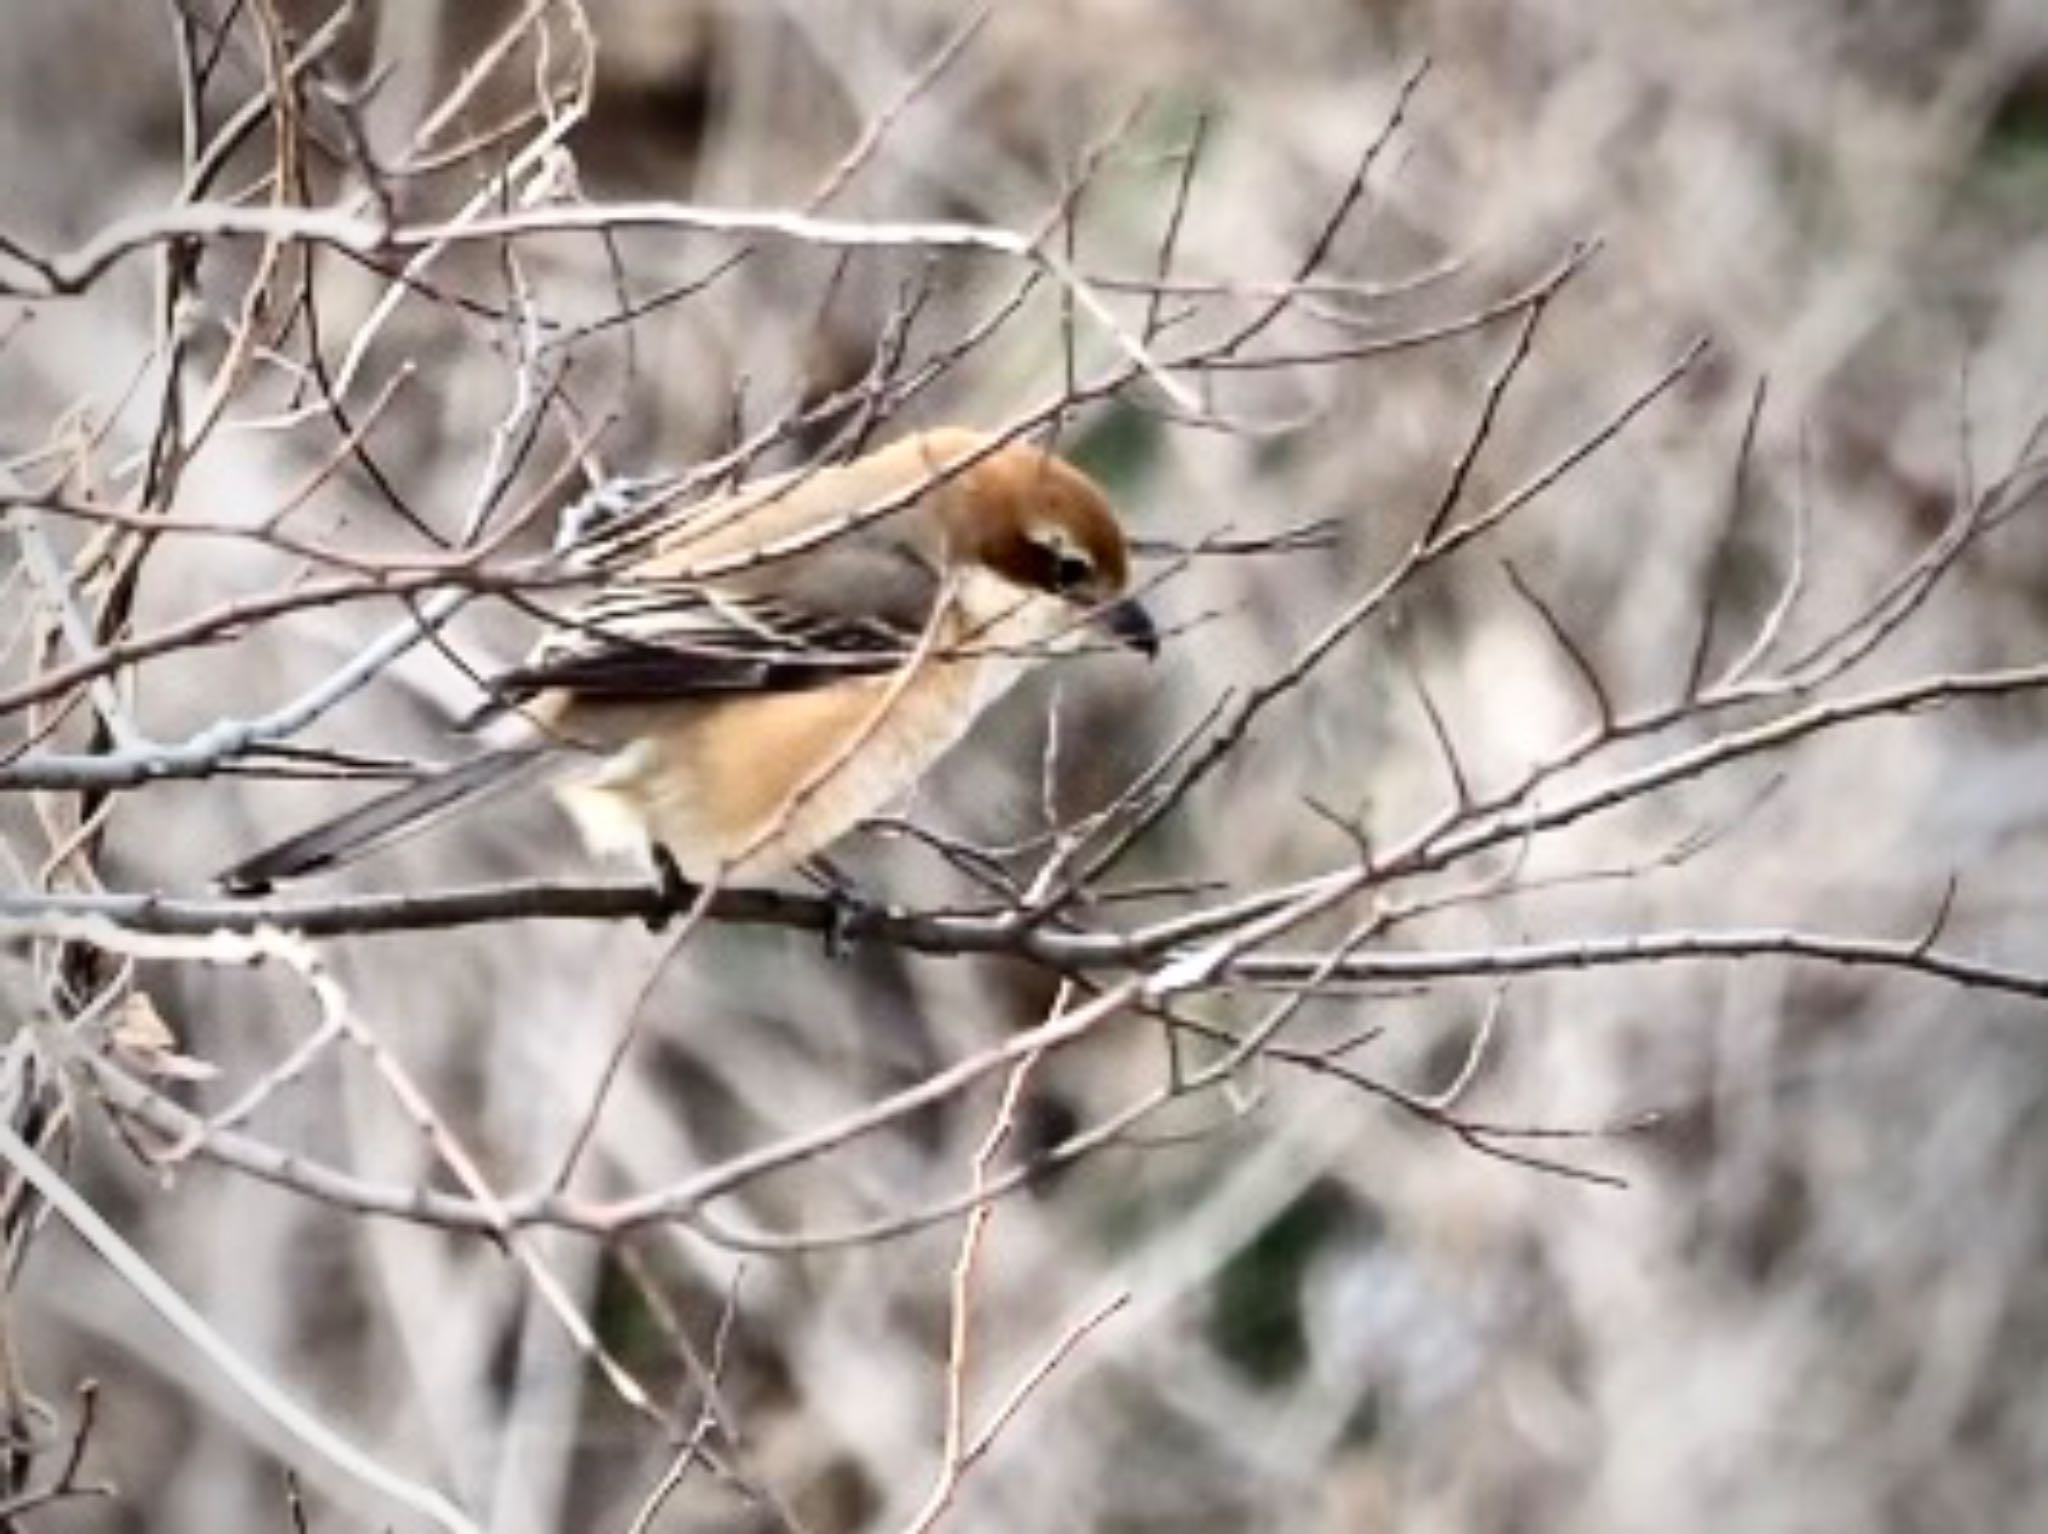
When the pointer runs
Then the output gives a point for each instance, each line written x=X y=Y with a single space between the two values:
x=1802 y=1288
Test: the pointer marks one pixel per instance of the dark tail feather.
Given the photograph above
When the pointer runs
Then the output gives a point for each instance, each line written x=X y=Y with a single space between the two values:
x=381 y=822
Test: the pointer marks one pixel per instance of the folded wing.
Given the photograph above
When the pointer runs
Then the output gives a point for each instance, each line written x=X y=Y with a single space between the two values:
x=857 y=605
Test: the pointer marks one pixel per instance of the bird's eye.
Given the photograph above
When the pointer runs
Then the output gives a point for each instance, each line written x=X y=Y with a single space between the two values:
x=1070 y=572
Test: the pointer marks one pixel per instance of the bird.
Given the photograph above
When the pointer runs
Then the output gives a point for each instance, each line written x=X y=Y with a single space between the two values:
x=754 y=674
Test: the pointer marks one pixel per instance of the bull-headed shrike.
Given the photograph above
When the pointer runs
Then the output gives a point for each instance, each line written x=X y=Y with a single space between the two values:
x=758 y=673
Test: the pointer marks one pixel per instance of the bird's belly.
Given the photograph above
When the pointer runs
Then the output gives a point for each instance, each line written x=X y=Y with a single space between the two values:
x=749 y=787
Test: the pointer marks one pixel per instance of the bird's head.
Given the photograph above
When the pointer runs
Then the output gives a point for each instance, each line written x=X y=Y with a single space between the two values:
x=1044 y=530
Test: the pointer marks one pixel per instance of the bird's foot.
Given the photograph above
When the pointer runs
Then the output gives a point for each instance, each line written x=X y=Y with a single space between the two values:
x=851 y=914
x=850 y=910
x=673 y=891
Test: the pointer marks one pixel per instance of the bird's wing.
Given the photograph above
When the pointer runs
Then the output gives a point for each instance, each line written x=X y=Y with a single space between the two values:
x=856 y=606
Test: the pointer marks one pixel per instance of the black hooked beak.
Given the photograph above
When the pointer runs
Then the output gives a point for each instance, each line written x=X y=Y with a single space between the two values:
x=1130 y=625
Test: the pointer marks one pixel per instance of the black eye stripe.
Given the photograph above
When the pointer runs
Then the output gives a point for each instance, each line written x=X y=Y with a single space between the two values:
x=1046 y=561
x=1070 y=570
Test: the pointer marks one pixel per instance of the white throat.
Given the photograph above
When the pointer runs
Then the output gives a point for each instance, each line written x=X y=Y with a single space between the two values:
x=1010 y=629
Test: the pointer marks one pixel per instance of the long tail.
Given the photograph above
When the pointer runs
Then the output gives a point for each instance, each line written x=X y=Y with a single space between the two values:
x=381 y=822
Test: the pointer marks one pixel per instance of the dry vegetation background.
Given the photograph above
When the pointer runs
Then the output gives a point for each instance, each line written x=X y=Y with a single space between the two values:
x=1778 y=992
